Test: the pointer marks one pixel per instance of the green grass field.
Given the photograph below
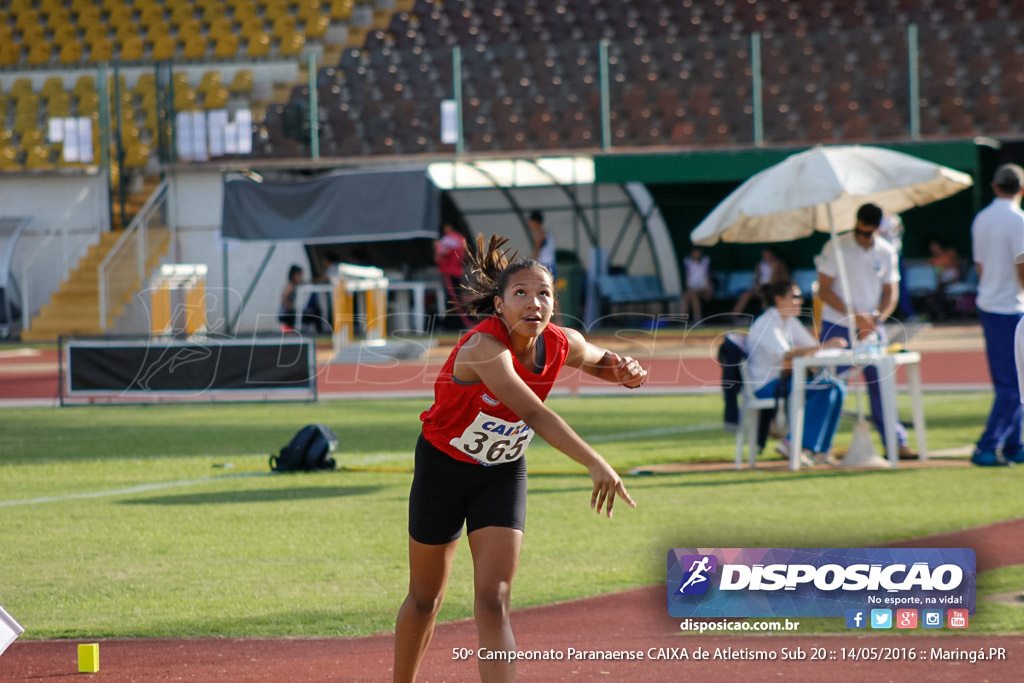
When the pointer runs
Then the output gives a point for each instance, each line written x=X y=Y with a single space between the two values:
x=145 y=521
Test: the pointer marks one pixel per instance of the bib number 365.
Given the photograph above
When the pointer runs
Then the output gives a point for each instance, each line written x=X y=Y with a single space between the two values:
x=493 y=441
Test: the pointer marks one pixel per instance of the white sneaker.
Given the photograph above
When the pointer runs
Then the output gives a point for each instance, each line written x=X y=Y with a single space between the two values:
x=782 y=448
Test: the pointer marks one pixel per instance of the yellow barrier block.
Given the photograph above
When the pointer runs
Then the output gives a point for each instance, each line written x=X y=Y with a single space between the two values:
x=89 y=658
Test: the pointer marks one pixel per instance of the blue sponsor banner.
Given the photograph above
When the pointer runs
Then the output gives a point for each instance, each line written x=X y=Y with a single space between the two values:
x=817 y=582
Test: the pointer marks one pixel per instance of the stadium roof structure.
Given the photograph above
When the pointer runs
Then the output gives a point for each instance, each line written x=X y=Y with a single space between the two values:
x=618 y=222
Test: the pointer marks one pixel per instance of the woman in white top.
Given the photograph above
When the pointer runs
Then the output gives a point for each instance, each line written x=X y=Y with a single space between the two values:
x=775 y=338
x=698 y=282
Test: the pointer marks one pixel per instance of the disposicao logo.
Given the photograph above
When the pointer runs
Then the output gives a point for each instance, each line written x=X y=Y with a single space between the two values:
x=817 y=582
x=697 y=579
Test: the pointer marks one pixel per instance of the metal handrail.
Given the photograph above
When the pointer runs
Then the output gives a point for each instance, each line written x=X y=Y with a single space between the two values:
x=26 y=266
x=137 y=228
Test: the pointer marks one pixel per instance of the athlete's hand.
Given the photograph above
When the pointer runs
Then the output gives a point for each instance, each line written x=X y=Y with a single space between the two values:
x=628 y=373
x=607 y=485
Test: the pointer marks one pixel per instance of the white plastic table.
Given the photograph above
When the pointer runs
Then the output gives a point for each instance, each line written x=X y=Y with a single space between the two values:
x=887 y=364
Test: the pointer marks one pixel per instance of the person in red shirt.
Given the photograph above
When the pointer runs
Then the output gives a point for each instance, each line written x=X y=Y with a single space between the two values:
x=488 y=404
x=450 y=257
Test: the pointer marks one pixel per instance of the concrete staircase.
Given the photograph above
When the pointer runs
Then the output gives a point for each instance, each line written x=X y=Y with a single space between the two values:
x=75 y=307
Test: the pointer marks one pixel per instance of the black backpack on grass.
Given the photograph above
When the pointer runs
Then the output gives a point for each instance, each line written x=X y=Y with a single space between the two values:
x=308 y=450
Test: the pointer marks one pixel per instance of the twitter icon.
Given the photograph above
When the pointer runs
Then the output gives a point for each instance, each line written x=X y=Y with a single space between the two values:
x=881 y=618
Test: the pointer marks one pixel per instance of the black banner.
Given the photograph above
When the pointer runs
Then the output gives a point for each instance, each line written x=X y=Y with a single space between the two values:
x=197 y=370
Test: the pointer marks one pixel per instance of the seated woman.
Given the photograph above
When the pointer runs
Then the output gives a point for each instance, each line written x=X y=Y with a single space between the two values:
x=775 y=338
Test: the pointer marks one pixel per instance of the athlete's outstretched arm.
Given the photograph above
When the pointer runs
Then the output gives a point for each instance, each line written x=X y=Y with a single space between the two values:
x=486 y=359
x=602 y=363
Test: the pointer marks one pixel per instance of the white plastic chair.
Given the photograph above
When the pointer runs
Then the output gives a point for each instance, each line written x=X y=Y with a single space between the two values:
x=750 y=409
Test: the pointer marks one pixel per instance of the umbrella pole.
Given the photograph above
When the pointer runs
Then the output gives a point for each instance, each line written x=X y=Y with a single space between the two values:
x=844 y=282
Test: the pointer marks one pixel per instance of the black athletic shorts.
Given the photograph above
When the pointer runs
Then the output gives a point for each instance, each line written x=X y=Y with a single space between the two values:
x=447 y=493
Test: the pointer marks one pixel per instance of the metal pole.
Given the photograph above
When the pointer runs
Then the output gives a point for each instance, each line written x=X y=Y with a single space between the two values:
x=756 y=92
x=314 y=109
x=460 y=143
x=606 y=122
x=914 y=81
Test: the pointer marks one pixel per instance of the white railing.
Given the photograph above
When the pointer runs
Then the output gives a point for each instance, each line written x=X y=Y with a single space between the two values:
x=123 y=266
x=29 y=269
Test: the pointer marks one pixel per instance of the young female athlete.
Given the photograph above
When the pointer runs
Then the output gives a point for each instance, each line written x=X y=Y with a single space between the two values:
x=470 y=469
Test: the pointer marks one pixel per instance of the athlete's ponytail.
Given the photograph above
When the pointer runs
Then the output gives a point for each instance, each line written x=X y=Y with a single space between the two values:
x=489 y=270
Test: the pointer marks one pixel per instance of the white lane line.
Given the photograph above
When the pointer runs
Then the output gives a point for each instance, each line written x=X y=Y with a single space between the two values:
x=142 y=488
x=356 y=460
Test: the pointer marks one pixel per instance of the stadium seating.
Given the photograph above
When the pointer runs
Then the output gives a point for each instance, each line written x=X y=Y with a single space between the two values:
x=679 y=71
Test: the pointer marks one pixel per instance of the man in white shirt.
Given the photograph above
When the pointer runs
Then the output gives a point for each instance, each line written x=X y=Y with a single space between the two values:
x=997 y=232
x=872 y=270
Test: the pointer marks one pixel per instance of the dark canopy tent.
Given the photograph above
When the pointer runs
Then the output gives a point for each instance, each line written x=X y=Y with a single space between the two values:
x=343 y=207
x=383 y=218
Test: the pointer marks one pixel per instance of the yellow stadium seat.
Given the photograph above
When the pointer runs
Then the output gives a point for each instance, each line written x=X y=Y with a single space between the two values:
x=153 y=14
x=181 y=80
x=96 y=32
x=10 y=53
x=189 y=28
x=157 y=30
x=242 y=82
x=9 y=158
x=129 y=132
x=195 y=47
x=293 y=44
x=146 y=82
x=317 y=28
x=164 y=48
x=259 y=46
x=57 y=17
x=274 y=9
x=226 y=46
x=37 y=158
x=59 y=105
x=111 y=5
x=21 y=87
x=213 y=12
x=216 y=98
x=48 y=6
x=83 y=84
x=27 y=18
x=88 y=103
x=51 y=86
x=39 y=54
x=71 y=53
x=284 y=27
x=31 y=35
x=243 y=13
x=221 y=26
x=184 y=99
x=64 y=33
x=6 y=32
x=3 y=116
x=101 y=51
x=341 y=10
x=5 y=135
x=89 y=17
x=136 y=155
x=21 y=5
x=251 y=28
x=132 y=49
x=210 y=80
x=308 y=9
x=31 y=138
x=120 y=19
x=24 y=123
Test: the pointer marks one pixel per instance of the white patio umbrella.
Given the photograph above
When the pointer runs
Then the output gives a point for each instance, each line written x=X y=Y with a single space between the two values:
x=820 y=190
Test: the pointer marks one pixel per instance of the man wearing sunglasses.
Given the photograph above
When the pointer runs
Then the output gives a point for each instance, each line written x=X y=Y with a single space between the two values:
x=872 y=267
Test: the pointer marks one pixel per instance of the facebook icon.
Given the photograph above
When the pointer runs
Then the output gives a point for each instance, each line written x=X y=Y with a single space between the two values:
x=856 y=618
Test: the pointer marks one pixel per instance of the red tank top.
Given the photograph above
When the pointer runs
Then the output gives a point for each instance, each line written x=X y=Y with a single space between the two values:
x=471 y=425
